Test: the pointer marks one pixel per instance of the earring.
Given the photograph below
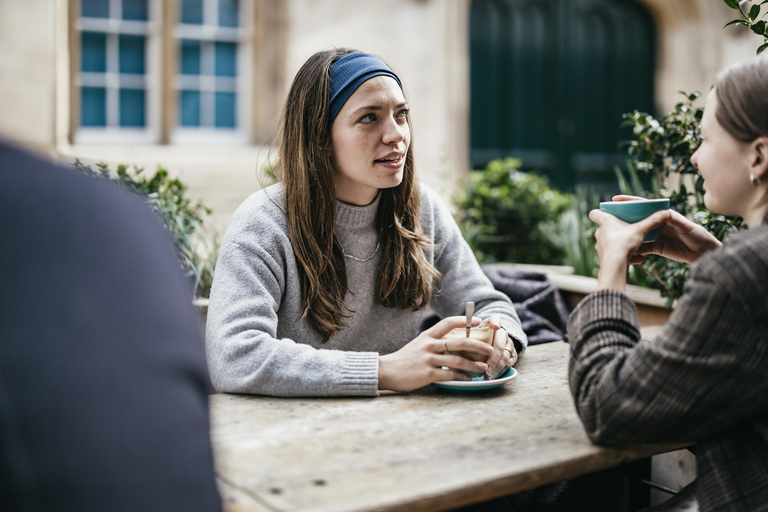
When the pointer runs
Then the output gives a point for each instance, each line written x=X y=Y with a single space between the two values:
x=754 y=180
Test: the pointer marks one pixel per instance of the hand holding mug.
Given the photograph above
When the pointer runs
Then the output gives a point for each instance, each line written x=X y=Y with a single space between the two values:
x=681 y=239
x=423 y=360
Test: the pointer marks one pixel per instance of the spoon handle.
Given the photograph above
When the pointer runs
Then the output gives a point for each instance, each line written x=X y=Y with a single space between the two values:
x=470 y=311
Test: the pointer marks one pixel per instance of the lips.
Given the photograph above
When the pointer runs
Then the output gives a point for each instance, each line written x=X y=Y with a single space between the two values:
x=390 y=162
x=392 y=159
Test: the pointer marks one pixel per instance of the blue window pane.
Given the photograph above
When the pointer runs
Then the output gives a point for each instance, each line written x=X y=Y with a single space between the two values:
x=190 y=57
x=94 y=8
x=132 y=54
x=226 y=59
x=228 y=10
x=189 y=108
x=135 y=10
x=192 y=12
x=94 y=52
x=132 y=107
x=93 y=106
x=225 y=110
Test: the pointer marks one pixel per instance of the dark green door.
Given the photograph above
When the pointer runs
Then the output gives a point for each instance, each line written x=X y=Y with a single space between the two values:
x=550 y=80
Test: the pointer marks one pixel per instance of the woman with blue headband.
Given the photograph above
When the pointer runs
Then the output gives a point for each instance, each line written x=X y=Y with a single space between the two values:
x=323 y=279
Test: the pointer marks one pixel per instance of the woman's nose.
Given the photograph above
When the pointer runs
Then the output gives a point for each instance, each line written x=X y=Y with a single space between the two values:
x=695 y=159
x=394 y=131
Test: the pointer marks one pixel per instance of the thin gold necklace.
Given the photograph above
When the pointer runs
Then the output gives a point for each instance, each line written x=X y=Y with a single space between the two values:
x=362 y=259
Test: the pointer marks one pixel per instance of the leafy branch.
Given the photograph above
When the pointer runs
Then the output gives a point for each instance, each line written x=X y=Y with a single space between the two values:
x=183 y=218
x=751 y=19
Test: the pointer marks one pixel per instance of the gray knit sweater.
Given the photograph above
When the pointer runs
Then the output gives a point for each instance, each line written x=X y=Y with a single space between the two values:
x=256 y=342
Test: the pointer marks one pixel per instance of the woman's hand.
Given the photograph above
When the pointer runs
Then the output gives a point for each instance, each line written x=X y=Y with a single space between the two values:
x=617 y=242
x=680 y=240
x=421 y=361
x=504 y=354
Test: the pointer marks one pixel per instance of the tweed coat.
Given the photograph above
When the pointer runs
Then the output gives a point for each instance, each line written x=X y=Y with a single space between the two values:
x=703 y=379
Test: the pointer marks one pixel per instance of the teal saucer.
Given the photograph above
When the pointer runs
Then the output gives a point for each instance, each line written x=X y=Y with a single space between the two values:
x=473 y=386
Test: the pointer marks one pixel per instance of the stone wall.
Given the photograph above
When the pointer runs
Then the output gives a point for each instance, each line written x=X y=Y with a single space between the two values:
x=425 y=41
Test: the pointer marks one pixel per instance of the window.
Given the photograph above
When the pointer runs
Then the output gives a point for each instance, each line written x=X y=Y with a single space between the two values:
x=208 y=85
x=113 y=79
x=160 y=71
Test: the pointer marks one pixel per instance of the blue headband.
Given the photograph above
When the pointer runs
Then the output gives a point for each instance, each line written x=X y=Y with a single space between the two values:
x=349 y=71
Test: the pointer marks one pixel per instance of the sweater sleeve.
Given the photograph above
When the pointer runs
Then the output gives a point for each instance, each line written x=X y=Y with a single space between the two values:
x=705 y=372
x=463 y=280
x=244 y=353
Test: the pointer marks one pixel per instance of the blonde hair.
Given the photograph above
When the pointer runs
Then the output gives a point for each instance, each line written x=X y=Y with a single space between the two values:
x=742 y=98
x=305 y=167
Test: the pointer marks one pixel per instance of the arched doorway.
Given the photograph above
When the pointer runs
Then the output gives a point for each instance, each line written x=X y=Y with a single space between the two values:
x=550 y=80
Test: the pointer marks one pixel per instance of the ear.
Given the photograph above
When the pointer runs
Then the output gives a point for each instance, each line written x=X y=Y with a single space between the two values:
x=759 y=158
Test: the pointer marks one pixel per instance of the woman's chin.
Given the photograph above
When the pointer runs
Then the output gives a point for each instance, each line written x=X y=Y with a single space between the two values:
x=717 y=207
x=392 y=181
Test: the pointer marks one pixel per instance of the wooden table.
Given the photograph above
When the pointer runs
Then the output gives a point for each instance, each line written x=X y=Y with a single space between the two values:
x=427 y=450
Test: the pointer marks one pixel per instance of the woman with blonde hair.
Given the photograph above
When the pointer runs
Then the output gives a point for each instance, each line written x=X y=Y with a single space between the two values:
x=322 y=279
x=704 y=379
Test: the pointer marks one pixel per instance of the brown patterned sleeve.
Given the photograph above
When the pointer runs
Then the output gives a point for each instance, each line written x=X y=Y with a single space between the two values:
x=705 y=372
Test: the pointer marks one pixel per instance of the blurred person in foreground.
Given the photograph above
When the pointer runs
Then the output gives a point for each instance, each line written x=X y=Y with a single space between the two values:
x=103 y=390
x=704 y=379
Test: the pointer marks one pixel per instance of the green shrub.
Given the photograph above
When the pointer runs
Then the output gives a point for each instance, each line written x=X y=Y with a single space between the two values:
x=508 y=215
x=183 y=217
x=577 y=233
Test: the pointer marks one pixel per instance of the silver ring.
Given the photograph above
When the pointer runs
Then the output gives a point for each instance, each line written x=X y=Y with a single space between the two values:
x=512 y=358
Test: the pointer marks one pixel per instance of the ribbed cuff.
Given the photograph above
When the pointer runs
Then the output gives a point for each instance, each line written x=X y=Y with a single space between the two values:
x=605 y=304
x=360 y=374
x=518 y=337
x=603 y=311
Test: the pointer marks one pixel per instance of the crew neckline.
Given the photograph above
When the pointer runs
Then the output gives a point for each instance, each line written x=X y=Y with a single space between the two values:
x=351 y=216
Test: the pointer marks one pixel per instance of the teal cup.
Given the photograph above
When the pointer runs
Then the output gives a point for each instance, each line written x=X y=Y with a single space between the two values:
x=635 y=211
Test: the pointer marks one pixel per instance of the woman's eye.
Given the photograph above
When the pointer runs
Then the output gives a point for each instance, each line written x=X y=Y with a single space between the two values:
x=367 y=118
x=403 y=113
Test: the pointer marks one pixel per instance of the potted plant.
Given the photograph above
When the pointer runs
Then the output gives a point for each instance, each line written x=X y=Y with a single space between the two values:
x=184 y=219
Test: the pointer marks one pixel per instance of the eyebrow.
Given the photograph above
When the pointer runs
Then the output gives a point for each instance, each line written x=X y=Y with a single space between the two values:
x=376 y=107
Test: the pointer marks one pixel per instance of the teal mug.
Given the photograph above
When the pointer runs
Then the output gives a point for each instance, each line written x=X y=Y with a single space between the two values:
x=635 y=211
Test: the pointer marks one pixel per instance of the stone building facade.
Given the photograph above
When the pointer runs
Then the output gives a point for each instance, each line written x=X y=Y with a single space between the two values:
x=425 y=41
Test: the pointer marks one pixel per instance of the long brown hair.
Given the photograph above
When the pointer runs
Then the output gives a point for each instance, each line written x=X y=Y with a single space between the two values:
x=742 y=97
x=306 y=169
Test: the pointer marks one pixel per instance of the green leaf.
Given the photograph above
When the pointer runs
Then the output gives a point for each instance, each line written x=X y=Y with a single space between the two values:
x=759 y=28
x=754 y=12
x=764 y=2
x=734 y=22
x=762 y=48
x=733 y=4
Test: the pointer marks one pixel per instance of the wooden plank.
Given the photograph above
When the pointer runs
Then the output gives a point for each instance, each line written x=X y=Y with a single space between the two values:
x=427 y=450
x=239 y=500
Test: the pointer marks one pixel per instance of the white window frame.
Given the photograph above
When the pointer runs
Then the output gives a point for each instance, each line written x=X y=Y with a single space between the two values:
x=113 y=27
x=210 y=32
